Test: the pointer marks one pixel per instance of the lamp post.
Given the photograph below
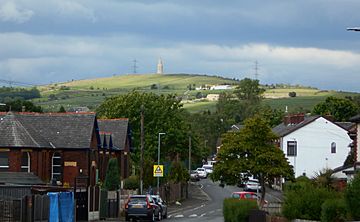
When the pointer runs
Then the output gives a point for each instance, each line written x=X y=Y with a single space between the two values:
x=158 y=178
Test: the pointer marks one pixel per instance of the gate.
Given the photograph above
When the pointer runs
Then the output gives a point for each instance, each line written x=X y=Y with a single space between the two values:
x=81 y=198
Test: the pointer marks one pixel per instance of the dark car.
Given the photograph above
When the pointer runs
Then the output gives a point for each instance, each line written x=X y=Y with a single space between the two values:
x=142 y=207
x=162 y=205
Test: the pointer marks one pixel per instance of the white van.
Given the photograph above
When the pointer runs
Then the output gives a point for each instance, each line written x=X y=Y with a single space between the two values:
x=208 y=168
x=211 y=162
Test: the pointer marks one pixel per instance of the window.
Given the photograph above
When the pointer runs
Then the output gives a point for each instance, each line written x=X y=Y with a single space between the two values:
x=25 y=162
x=333 y=147
x=56 y=167
x=292 y=148
x=4 y=161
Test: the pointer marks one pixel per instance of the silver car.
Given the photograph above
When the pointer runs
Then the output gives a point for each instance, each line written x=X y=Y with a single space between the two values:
x=252 y=185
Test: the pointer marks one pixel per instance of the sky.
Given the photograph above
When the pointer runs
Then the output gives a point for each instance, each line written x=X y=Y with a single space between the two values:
x=295 y=42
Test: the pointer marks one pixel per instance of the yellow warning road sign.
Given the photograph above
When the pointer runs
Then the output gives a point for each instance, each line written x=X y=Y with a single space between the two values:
x=158 y=170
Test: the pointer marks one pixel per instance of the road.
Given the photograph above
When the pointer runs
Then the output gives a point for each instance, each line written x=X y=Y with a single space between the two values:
x=206 y=202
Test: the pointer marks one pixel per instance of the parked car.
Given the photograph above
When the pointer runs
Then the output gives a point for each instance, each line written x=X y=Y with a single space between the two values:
x=201 y=172
x=142 y=207
x=208 y=168
x=244 y=195
x=252 y=185
x=194 y=176
x=162 y=205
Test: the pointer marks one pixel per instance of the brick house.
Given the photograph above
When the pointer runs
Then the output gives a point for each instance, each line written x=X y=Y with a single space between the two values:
x=116 y=141
x=56 y=147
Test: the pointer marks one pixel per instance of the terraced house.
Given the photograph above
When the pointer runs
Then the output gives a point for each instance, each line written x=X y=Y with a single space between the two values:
x=56 y=147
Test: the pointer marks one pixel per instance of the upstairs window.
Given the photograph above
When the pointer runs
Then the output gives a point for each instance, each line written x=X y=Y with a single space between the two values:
x=25 y=162
x=56 y=167
x=291 y=148
x=333 y=147
x=4 y=161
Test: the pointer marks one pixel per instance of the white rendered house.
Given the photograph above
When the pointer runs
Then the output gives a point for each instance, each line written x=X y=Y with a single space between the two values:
x=313 y=143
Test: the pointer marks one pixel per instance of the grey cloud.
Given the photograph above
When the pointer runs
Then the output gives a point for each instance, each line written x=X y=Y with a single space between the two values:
x=9 y=12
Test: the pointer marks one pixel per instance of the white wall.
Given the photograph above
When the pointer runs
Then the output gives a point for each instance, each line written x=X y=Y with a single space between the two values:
x=314 y=147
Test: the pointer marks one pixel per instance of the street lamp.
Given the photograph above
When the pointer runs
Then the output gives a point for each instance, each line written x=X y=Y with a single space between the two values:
x=158 y=178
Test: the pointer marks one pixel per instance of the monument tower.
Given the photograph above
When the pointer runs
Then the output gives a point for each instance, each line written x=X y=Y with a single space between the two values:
x=160 y=67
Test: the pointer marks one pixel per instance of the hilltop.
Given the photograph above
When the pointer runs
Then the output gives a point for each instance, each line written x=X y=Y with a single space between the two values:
x=91 y=92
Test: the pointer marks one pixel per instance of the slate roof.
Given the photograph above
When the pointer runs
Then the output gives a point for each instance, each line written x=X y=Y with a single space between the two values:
x=283 y=130
x=49 y=130
x=19 y=178
x=355 y=119
x=345 y=125
x=117 y=128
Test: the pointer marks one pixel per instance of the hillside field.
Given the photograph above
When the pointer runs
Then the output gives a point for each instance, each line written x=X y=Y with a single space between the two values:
x=92 y=92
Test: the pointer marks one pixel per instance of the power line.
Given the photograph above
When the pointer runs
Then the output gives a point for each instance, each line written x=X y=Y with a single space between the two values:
x=135 y=66
x=16 y=83
x=256 y=68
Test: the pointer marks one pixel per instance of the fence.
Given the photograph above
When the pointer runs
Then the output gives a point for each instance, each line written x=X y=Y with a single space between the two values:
x=273 y=208
x=10 y=210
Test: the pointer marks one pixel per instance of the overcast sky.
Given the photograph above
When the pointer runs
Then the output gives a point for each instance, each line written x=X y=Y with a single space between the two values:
x=297 y=42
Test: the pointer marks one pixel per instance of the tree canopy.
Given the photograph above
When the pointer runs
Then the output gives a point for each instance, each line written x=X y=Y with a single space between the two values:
x=341 y=109
x=249 y=89
x=162 y=114
x=251 y=150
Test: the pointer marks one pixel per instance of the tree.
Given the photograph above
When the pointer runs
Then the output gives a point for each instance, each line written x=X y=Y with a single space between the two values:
x=340 y=109
x=162 y=113
x=249 y=90
x=62 y=110
x=292 y=94
x=112 y=179
x=19 y=105
x=251 y=150
x=352 y=197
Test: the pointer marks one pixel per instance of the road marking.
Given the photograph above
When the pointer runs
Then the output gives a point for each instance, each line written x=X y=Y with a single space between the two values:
x=193 y=215
x=196 y=208
x=211 y=212
x=179 y=216
x=219 y=210
x=202 y=215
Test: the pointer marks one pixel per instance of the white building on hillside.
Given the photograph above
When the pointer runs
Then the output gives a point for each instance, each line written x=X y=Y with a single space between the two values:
x=220 y=87
x=314 y=143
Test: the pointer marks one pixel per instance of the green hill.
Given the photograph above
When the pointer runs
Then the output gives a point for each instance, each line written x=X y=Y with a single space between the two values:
x=91 y=92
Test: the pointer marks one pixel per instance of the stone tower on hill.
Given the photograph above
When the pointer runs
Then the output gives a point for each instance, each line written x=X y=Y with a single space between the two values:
x=160 y=67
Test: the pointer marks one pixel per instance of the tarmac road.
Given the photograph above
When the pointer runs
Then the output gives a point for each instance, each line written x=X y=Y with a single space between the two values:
x=205 y=202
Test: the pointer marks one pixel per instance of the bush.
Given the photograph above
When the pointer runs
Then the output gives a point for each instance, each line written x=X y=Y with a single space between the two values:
x=334 y=210
x=303 y=201
x=131 y=183
x=352 y=197
x=112 y=178
x=235 y=210
x=292 y=94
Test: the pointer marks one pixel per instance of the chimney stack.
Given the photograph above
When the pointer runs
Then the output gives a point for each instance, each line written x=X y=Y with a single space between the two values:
x=293 y=119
